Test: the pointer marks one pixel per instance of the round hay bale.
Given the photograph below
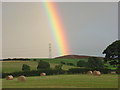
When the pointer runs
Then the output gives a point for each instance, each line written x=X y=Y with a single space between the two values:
x=21 y=78
x=10 y=77
x=96 y=73
x=89 y=72
x=43 y=74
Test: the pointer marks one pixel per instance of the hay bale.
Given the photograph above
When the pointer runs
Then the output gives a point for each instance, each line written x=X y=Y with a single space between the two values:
x=96 y=73
x=89 y=72
x=21 y=78
x=43 y=74
x=10 y=77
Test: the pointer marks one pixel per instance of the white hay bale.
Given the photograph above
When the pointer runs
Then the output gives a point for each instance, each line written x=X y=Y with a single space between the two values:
x=96 y=73
x=10 y=77
x=89 y=72
x=21 y=78
x=43 y=74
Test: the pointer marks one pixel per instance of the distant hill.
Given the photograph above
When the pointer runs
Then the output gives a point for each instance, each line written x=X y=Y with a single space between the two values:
x=75 y=57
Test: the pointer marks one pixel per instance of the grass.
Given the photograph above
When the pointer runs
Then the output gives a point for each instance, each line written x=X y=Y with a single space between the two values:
x=15 y=66
x=64 y=81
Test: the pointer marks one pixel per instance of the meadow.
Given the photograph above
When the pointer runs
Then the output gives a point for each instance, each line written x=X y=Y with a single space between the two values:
x=64 y=81
x=15 y=66
x=57 y=81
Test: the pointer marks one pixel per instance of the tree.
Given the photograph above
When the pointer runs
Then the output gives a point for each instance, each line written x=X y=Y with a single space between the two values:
x=62 y=62
x=94 y=62
x=71 y=64
x=34 y=59
x=118 y=69
x=81 y=63
x=112 y=53
x=43 y=65
x=25 y=67
x=58 y=67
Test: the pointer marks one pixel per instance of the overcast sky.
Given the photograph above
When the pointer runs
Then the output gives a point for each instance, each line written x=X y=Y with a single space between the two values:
x=89 y=27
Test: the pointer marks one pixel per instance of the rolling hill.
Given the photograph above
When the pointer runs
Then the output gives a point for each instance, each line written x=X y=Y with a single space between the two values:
x=75 y=57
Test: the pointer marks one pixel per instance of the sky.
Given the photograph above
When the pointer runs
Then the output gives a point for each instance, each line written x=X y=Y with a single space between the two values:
x=90 y=27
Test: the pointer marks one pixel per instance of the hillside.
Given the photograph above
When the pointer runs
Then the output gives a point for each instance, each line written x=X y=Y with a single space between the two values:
x=75 y=57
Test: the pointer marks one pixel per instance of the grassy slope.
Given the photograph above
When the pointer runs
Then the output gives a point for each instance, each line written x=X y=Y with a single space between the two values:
x=65 y=81
x=16 y=66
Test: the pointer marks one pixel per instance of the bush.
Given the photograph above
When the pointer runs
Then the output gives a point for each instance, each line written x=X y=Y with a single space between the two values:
x=62 y=62
x=43 y=65
x=71 y=64
x=78 y=70
x=58 y=66
x=34 y=59
x=25 y=67
x=81 y=63
x=35 y=73
x=85 y=70
x=118 y=70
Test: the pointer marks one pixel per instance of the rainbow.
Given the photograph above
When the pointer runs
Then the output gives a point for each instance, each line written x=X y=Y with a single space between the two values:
x=57 y=28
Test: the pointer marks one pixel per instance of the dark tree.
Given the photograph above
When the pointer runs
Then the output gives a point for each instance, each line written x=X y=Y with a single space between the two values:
x=25 y=67
x=62 y=62
x=34 y=59
x=43 y=65
x=81 y=63
x=112 y=53
x=58 y=67
x=94 y=62
x=71 y=64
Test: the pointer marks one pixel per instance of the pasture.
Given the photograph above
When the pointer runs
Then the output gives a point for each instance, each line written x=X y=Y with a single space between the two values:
x=64 y=81
x=15 y=66
x=56 y=81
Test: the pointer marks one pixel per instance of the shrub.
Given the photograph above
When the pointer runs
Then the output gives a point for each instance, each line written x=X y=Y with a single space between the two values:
x=118 y=70
x=85 y=70
x=25 y=67
x=71 y=64
x=62 y=62
x=34 y=59
x=81 y=63
x=35 y=73
x=43 y=65
x=58 y=66
x=78 y=70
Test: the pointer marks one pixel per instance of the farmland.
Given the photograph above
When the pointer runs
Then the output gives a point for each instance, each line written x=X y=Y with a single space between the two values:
x=57 y=81
x=14 y=66
x=65 y=81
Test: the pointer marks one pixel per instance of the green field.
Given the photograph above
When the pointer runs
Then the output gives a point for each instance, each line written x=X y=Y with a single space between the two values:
x=57 y=81
x=64 y=81
x=15 y=66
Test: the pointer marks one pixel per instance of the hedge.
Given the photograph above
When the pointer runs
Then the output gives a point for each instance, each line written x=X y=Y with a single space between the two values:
x=85 y=70
x=55 y=72
x=34 y=72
